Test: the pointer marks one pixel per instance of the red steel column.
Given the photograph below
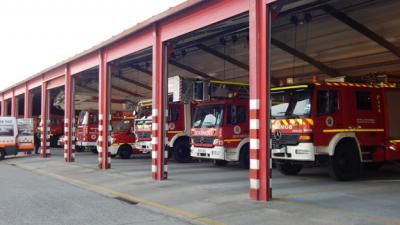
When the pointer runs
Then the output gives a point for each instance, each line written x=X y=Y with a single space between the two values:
x=104 y=114
x=3 y=106
x=27 y=100
x=44 y=123
x=159 y=154
x=13 y=104
x=69 y=120
x=260 y=170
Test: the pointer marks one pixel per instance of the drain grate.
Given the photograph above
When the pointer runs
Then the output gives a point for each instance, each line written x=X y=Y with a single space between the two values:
x=126 y=200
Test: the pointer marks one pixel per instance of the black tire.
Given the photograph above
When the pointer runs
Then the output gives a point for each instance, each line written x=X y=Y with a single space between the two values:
x=289 y=168
x=345 y=163
x=244 y=157
x=125 y=152
x=220 y=162
x=181 y=152
x=94 y=150
x=2 y=154
x=79 y=149
x=113 y=156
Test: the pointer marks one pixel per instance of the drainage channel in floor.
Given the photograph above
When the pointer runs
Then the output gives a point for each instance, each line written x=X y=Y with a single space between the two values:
x=130 y=202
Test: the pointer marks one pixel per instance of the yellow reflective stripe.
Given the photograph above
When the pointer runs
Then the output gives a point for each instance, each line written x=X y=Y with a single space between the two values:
x=229 y=82
x=310 y=121
x=175 y=131
x=289 y=87
x=394 y=141
x=352 y=130
x=285 y=122
x=232 y=140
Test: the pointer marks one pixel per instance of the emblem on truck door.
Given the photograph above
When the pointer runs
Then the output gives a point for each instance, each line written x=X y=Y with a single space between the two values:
x=329 y=121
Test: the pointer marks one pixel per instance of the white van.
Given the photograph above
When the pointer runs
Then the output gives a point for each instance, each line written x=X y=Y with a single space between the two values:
x=16 y=135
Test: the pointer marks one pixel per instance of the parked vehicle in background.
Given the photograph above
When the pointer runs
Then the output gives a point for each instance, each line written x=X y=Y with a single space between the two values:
x=343 y=125
x=16 y=135
x=56 y=129
x=220 y=129
x=87 y=131
x=180 y=109
x=122 y=136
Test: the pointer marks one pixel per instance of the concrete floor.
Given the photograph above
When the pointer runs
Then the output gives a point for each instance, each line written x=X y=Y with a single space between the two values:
x=31 y=199
x=203 y=193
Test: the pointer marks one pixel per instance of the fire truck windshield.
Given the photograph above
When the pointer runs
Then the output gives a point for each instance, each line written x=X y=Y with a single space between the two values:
x=208 y=116
x=291 y=103
x=86 y=118
x=121 y=126
x=144 y=112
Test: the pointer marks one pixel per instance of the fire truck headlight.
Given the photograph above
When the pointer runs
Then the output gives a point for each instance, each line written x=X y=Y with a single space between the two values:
x=302 y=151
x=218 y=142
x=112 y=140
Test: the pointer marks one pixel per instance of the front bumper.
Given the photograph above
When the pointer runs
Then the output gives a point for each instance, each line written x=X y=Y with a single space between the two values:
x=86 y=144
x=300 y=152
x=216 y=152
x=144 y=146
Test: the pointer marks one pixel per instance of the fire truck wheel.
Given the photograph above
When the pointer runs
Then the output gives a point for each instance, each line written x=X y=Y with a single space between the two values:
x=244 y=158
x=220 y=162
x=289 y=168
x=345 y=163
x=2 y=154
x=94 y=150
x=79 y=149
x=125 y=152
x=182 y=152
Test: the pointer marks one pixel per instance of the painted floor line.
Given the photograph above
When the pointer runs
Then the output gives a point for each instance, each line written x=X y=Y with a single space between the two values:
x=106 y=191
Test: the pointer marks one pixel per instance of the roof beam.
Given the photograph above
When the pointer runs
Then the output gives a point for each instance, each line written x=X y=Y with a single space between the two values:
x=143 y=70
x=87 y=88
x=126 y=91
x=190 y=69
x=321 y=66
x=339 y=15
x=223 y=56
x=133 y=82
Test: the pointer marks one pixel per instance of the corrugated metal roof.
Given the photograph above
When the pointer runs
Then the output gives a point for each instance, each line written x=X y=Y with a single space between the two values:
x=134 y=29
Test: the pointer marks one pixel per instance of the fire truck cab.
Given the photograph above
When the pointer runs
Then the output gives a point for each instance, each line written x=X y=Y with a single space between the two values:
x=16 y=135
x=87 y=131
x=179 y=120
x=122 y=136
x=343 y=125
x=220 y=128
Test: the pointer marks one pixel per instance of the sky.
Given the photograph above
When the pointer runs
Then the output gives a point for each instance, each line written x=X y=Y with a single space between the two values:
x=36 y=34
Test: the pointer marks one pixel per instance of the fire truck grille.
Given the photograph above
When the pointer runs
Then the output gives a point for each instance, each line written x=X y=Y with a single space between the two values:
x=203 y=140
x=143 y=135
x=285 y=139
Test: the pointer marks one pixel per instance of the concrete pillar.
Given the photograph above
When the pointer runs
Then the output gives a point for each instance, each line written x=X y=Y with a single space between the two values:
x=69 y=118
x=104 y=114
x=260 y=166
x=44 y=122
x=159 y=167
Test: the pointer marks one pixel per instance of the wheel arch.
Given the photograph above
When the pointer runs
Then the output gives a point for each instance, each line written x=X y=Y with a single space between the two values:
x=244 y=142
x=343 y=137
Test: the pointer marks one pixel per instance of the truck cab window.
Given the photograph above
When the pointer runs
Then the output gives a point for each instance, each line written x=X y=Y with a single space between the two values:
x=237 y=114
x=363 y=100
x=327 y=102
x=173 y=114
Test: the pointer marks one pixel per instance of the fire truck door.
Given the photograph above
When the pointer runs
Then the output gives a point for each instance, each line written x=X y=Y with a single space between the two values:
x=328 y=117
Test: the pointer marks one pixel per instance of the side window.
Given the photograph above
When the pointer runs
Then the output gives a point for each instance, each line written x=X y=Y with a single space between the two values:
x=363 y=100
x=173 y=114
x=236 y=114
x=327 y=102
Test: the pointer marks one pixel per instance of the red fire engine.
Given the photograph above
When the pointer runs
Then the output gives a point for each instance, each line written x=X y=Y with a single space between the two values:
x=220 y=129
x=179 y=120
x=87 y=131
x=122 y=136
x=340 y=124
